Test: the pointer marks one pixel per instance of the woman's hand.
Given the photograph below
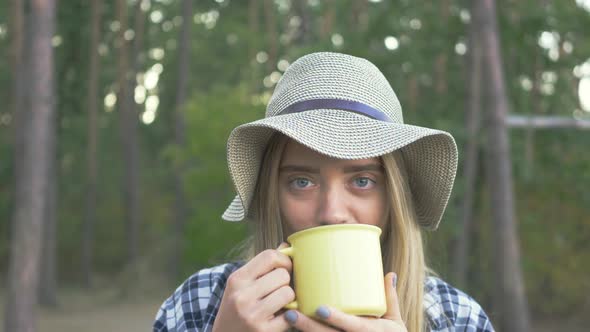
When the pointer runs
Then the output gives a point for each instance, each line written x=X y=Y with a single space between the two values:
x=255 y=293
x=331 y=319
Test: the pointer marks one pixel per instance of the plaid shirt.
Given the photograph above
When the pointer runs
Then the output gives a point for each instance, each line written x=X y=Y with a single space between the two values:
x=194 y=305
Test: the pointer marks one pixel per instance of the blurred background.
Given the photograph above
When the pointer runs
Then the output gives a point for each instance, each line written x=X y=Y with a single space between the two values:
x=112 y=144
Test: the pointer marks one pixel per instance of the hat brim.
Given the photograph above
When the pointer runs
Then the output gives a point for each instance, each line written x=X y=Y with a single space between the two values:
x=430 y=155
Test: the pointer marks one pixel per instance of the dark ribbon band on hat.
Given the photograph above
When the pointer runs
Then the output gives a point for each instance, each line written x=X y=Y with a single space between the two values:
x=345 y=105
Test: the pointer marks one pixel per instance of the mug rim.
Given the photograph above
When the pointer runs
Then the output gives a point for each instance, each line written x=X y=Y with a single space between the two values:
x=324 y=227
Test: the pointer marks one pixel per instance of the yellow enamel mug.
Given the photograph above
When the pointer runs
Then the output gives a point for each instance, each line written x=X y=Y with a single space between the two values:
x=339 y=266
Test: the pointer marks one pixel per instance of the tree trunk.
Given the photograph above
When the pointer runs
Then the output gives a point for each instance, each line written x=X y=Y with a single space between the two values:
x=413 y=91
x=16 y=29
x=133 y=169
x=510 y=298
x=138 y=46
x=359 y=17
x=440 y=66
x=128 y=128
x=180 y=138
x=92 y=151
x=273 y=39
x=137 y=59
x=304 y=34
x=47 y=291
x=529 y=143
x=31 y=198
x=472 y=122
x=328 y=19
x=253 y=26
x=253 y=45
x=48 y=274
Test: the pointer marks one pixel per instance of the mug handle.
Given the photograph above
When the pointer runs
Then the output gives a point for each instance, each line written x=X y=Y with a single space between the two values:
x=289 y=252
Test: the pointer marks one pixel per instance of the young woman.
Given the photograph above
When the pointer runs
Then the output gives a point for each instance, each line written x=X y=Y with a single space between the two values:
x=332 y=148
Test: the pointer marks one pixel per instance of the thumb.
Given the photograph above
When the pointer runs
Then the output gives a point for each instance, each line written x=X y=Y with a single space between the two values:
x=393 y=312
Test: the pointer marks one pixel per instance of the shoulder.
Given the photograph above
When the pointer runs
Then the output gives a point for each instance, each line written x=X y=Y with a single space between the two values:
x=194 y=304
x=449 y=309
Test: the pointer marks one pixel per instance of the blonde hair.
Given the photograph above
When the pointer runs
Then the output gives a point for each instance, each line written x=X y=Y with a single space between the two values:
x=403 y=252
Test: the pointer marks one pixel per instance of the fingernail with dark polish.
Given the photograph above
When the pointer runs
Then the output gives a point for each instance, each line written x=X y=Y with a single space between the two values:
x=394 y=280
x=291 y=316
x=323 y=312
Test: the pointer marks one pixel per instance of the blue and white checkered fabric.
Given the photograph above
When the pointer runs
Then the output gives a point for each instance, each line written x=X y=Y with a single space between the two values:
x=194 y=305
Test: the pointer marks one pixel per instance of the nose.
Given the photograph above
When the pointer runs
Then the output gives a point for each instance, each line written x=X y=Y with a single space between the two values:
x=334 y=208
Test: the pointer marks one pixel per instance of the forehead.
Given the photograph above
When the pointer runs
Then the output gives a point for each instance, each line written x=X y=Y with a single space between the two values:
x=298 y=154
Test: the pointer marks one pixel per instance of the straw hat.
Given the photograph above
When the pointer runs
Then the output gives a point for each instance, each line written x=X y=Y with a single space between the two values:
x=342 y=106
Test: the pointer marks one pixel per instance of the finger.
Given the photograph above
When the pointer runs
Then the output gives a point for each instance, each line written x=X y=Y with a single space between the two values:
x=393 y=312
x=278 y=323
x=275 y=301
x=263 y=263
x=270 y=282
x=339 y=319
x=303 y=323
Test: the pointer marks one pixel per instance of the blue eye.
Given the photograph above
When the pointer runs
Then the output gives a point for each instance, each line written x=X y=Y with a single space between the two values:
x=301 y=183
x=363 y=182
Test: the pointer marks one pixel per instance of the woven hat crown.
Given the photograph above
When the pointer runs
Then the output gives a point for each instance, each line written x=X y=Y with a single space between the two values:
x=343 y=107
x=325 y=75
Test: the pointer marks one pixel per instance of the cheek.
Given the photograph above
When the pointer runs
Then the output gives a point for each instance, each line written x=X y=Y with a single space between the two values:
x=296 y=215
x=377 y=212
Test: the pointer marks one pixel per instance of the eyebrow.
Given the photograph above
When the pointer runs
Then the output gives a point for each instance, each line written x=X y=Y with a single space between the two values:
x=363 y=168
x=299 y=168
x=347 y=169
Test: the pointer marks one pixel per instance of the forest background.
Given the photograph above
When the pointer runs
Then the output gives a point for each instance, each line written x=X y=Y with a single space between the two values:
x=142 y=95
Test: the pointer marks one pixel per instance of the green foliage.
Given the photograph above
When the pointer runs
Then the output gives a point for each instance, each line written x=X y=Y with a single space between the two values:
x=208 y=186
x=555 y=224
